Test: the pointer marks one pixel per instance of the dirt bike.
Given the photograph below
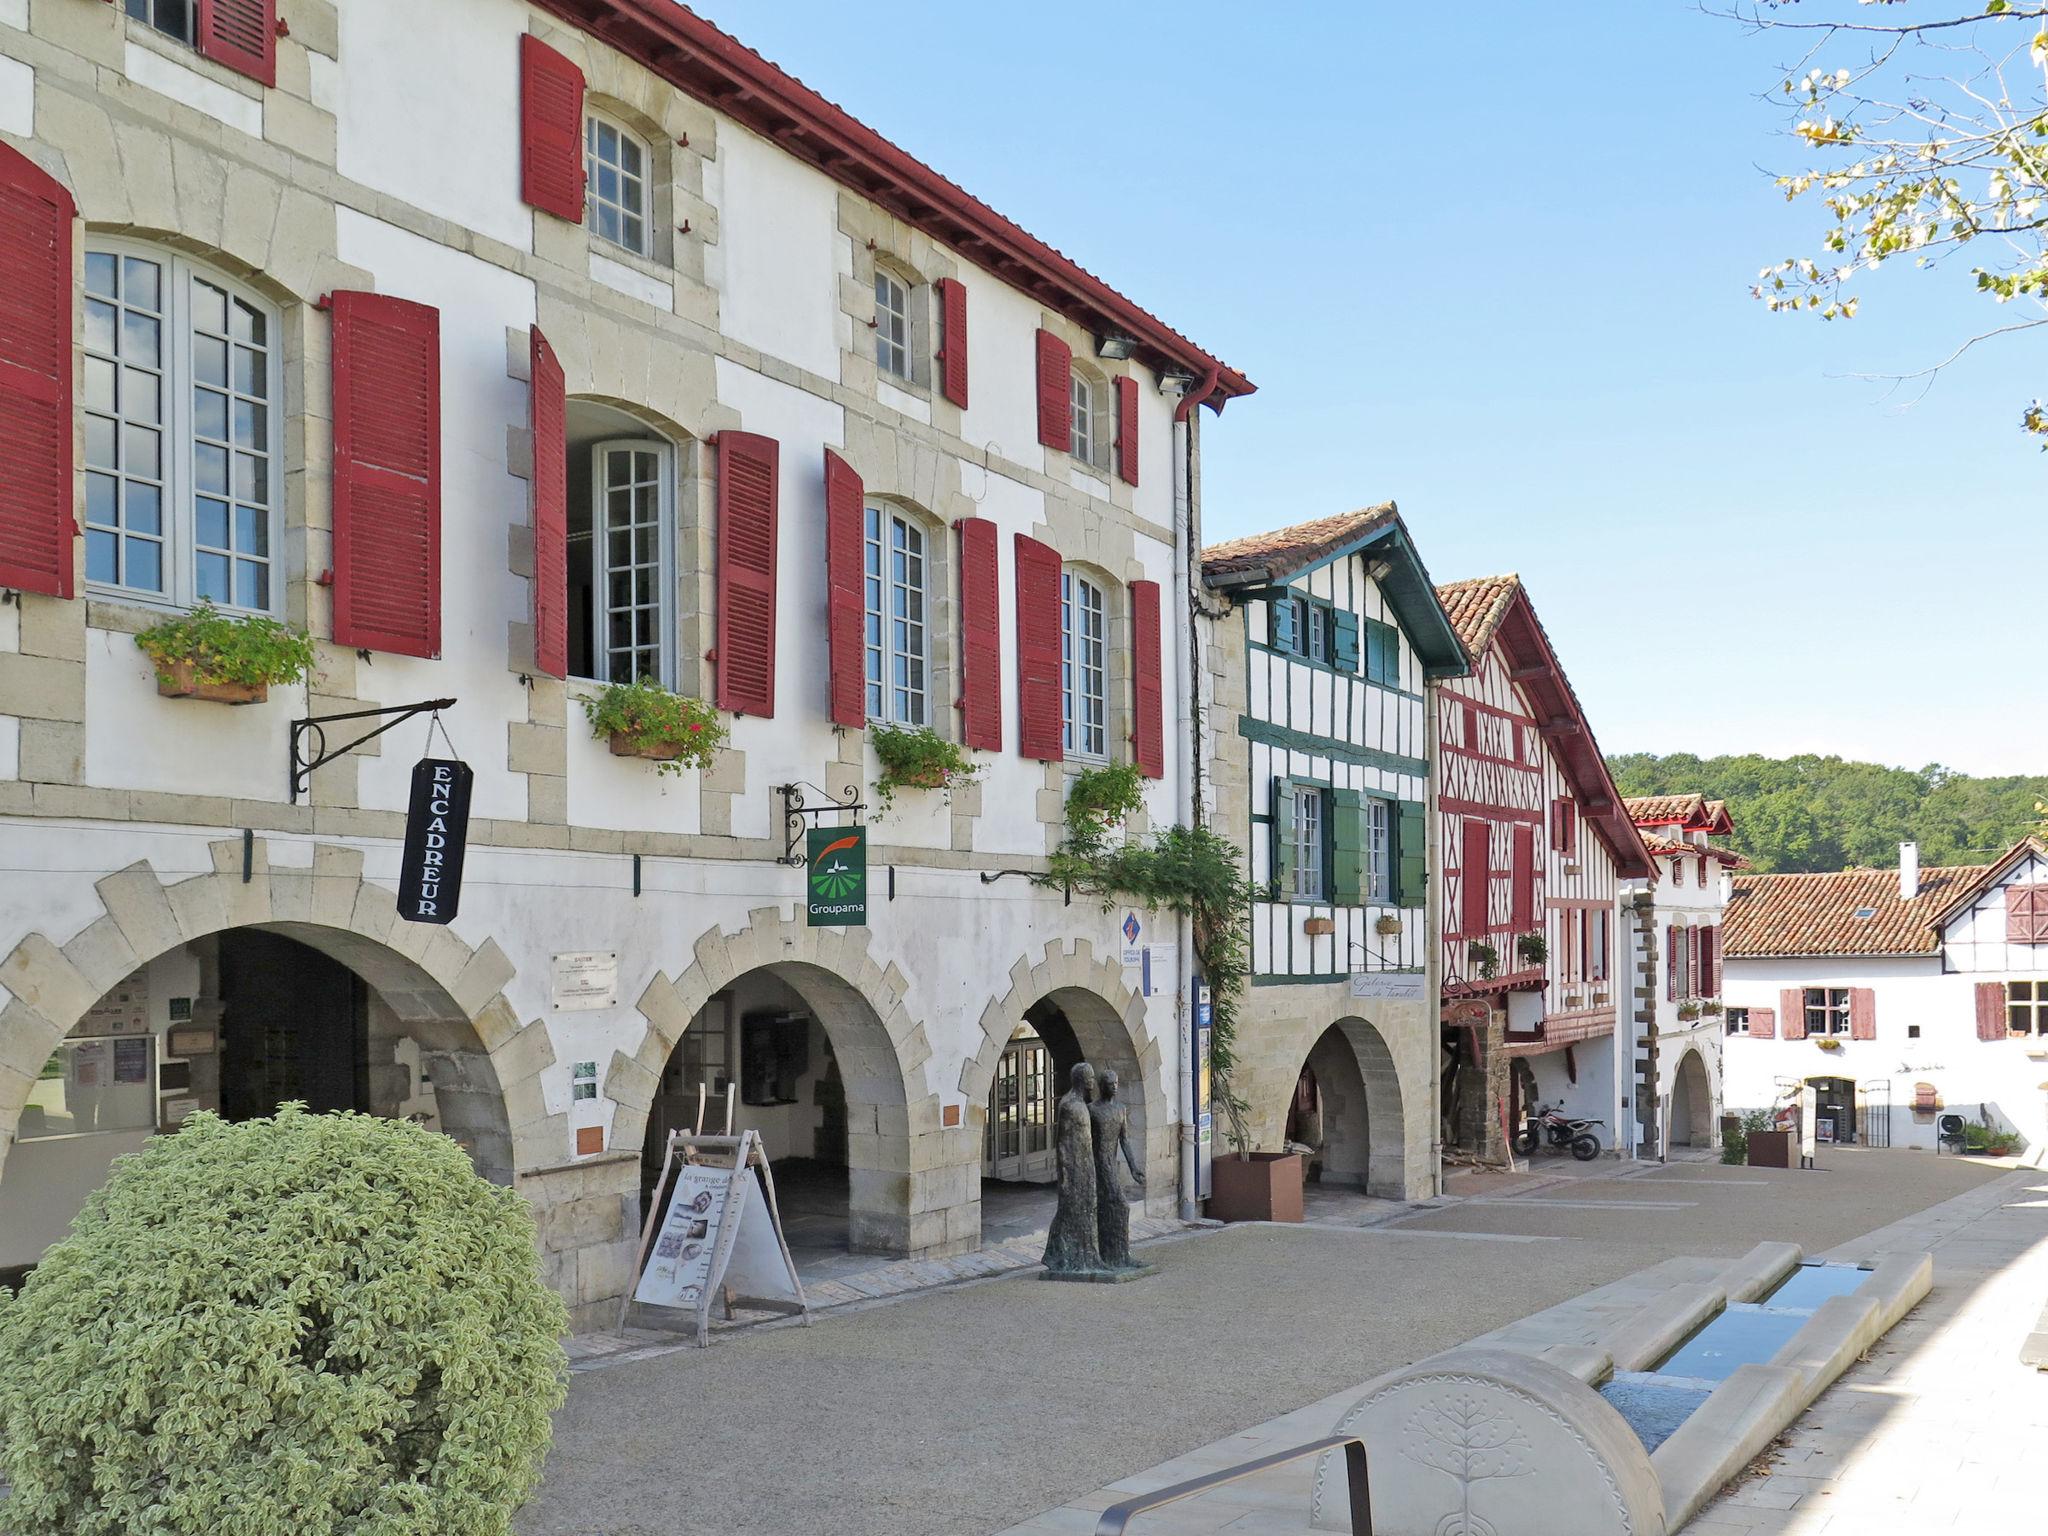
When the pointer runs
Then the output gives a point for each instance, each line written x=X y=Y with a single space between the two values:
x=1559 y=1130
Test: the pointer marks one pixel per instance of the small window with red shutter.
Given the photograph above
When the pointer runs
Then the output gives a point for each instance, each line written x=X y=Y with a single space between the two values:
x=551 y=130
x=1055 y=392
x=241 y=34
x=2026 y=914
x=749 y=484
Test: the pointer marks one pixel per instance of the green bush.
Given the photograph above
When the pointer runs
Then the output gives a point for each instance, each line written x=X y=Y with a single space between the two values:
x=315 y=1325
x=1734 y=1145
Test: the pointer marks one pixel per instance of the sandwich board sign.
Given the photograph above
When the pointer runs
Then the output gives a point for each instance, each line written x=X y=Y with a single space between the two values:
x=718 y=1235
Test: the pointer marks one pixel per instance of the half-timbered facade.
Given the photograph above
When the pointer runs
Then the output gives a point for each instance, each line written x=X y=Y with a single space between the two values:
x=1899 y=996
x=1340 y=640
x=1534 y=844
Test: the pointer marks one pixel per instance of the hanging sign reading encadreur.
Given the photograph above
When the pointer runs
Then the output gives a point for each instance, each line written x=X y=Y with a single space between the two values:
x=436 y=833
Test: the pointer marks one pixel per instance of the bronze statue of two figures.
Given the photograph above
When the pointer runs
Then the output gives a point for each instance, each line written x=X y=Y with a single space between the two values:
x=1091 y=1232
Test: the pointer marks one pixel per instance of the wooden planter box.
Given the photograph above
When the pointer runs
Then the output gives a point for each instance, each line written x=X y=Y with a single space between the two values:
x=659 y=752
x=1316 y=927
x=1770 y=1149
x=1264 y=1186
x=175 y=680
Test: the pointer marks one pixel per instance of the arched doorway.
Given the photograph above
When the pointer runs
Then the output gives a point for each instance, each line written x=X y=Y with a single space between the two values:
x=794 y=1052
x=1692 y=1104
x=1347 y=1109
x=237 y=1022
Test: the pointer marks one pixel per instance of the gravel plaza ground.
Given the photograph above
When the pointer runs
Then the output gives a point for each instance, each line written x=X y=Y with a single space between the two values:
x=968 y=1409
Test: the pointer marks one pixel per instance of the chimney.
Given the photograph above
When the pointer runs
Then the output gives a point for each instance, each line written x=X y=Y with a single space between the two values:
x=1909 y=871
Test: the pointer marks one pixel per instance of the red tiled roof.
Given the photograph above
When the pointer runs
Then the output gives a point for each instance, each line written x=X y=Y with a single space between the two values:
x=700 y=60
x=1476 y=607
x=1282 y=551
x=1819 y=914
x=1666 y=847
x=1656 y=810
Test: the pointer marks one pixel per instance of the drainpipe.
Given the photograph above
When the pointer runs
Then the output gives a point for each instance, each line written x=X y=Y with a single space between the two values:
x=1187 y=675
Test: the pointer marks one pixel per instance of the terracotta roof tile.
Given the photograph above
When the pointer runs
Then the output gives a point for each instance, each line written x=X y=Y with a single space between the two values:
x=1476 y=607
x=1650 y=810
x=1856 y=912
x=1282 y=551
x=1665 y=847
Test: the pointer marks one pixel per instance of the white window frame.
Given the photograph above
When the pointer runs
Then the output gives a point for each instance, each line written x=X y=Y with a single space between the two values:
x=893 y=332
x=664 y=564
x=1081 y=427
x=1379 y=849
x=1084 y=680
x=190 y=36
x=595 y=202
x=890 y=638
x=2029 y=999
x=1309 y=829
x=177 y=429
x=1834 y=1016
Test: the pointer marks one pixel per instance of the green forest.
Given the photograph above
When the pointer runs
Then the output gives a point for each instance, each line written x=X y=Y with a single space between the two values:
x=1826 y=813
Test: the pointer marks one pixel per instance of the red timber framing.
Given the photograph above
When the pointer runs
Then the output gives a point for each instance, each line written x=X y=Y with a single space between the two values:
x=729 y=77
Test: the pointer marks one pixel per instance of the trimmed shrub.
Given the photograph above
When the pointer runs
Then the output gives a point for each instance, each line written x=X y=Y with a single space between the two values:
x=312 y=1325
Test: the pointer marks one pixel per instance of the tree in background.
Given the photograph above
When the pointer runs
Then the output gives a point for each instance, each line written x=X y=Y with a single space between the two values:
x=1825 y=813
x=1929 y=136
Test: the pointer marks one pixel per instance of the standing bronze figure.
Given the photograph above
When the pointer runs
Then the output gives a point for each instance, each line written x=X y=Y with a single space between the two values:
x=1071 y=1244
x=1112 y=1122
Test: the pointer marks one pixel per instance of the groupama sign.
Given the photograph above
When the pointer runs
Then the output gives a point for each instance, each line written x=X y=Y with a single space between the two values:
x=836 y=877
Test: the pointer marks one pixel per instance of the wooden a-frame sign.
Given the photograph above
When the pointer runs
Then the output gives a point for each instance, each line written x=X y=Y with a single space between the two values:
x=713 y=1231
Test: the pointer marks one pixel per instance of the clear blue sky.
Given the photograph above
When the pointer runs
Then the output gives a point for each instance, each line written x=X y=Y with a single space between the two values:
x=1494 y=264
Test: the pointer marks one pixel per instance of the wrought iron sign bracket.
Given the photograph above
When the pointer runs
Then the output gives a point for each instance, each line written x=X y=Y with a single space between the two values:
x=796 y=816
x=314 y=726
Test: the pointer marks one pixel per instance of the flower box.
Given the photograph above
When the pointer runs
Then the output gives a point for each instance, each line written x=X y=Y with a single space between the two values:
x=1316 y=927
x=1388 y=925
x=180 y=680
x=1256 y=1186
x=623 y=745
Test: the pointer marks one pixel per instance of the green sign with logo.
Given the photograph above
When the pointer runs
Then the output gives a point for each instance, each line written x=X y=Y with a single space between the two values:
x=836 y=876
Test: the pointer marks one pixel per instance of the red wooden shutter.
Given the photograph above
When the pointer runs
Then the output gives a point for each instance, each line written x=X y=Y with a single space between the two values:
x=1671 y=942
x=1055 y=392
x=1475 y=866
x=551 y=130
x=241 y=34
x=1862 y=1013
x=749 y=476
x=1692 y=963
x=548 y=397
x=981 y=637
x=1127 y=430
x=1710 y=961
x=1148 y=733
x=1792 y=1013
x=953 y=340
x=38 y=514
x=845 y=600
x=387 y=474
x=2026 y=914
x=1524 y=878
x=1763 y=1023
x=1991 y=1010
x=1040 y=718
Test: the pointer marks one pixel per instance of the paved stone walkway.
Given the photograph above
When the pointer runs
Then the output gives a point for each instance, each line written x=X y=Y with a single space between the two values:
x=1941 y=1430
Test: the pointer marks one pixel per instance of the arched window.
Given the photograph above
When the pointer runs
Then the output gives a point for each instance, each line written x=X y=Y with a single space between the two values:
x=892 y=326
x=898 y=629
x=622 y=562
x=615 y=169
x=181 y=432
x=1084 y=665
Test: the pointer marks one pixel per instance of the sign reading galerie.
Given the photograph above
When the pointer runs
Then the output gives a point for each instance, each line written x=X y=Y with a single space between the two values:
x=436 y=836
x=836 y=877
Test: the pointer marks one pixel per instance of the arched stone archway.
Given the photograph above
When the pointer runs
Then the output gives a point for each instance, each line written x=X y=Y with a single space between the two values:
x=900 y=1200
x=1106 y=1021
x=448 y=994
x=1692 y=1103
x=1358 y=1089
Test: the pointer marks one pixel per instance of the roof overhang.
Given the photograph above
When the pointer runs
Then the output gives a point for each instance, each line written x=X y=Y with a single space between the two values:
x=723 y=73
x=2024 y=848
x=1410 y=592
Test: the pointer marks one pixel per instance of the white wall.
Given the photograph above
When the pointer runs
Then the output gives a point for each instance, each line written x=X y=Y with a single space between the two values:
x=780 y=255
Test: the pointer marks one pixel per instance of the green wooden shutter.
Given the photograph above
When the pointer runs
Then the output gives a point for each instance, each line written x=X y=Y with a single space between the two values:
x=1411 y=857
x=1382 y=652
x=1283 y=838
x=1344 y=640
x=1280 y=626
x=1347 y=847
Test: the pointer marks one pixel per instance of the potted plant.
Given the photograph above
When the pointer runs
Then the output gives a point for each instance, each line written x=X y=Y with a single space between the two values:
x=1256 y=1186
x=916 y=758
x=1099 y=799
x=1532 y=948
x=643 y=719
x=1711 y=1008
x=207 y=654
x=1763 y=1143
x=1484 y=958
x=1388 y=925
x=1689 y=1010
x=1828 y=1043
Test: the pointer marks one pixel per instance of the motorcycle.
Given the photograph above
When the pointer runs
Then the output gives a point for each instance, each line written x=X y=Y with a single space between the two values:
x=1560 y=1130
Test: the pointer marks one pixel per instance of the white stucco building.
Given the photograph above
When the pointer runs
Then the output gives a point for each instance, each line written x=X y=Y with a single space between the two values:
x=1900 y=995
x=514 y=349
x=1677 y=917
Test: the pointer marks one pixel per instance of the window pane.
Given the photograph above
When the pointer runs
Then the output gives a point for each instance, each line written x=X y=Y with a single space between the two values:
x=145 y=508
x=99 y=274
x=145 y=565
x=212 y=574
x=99 y=326
x=210 y=413
x=209 y=308
x=141 y=284
x=212 y=523
x=252 y=584
x=209 y=360
x=140 y=338
x=99 y=557
x=100 y=491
